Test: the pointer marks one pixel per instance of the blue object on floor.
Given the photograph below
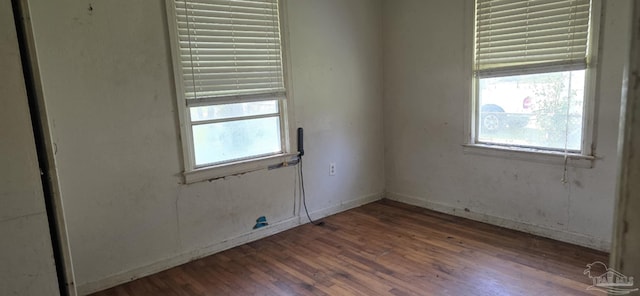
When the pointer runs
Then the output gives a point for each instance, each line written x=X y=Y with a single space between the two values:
x=260 y=222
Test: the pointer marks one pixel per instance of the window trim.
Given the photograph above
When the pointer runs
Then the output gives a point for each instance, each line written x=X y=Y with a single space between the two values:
x=192 y=173
x=586 y=156
x=215 y=172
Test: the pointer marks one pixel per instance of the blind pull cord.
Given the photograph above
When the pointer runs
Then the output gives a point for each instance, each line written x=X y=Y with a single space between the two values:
x=565 y=172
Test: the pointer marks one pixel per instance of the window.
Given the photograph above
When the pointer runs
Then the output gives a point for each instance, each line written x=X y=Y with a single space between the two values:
x=229 y=76
x=532 y=64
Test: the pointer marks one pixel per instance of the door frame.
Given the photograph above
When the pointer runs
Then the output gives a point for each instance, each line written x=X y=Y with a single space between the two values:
x=626 y=236
x=45 y=148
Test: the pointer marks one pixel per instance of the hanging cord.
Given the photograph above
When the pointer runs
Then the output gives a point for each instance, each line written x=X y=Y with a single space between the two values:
x=187 y=11
x=565 y=174
x=304 y=196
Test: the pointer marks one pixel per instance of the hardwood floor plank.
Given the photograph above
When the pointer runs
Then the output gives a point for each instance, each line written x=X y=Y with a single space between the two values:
x=383 y=248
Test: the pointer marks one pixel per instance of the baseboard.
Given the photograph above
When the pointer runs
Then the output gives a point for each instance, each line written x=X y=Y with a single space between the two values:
x=556 y=234
x=164 y=264
x=343 y=206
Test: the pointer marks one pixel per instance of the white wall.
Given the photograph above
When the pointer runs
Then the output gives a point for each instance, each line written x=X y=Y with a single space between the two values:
x=336 y=54
x=108 y=87
x=426 y=94
x=26 y=258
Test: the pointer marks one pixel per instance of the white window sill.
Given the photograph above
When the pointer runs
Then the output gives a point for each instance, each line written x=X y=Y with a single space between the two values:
x=530 y=154
x=235 y=168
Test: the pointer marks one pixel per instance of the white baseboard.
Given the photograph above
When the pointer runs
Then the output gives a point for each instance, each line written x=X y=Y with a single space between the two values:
x=253 y=235
x=556 y=234
x=343 y=206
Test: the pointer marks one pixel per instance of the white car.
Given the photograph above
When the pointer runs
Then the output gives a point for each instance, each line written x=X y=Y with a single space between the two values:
x=497 y=112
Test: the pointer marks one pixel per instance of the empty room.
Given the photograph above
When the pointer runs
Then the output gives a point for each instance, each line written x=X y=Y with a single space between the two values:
x=319 y=147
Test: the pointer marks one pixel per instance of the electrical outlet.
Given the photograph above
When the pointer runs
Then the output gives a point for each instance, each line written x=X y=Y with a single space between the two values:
x=332 y=169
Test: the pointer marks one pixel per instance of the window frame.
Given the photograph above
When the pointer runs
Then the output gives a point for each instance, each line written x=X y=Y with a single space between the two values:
x=193 y=173
x=583 y=158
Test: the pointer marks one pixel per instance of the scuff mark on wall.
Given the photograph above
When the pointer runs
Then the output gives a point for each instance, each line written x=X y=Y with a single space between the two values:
x=578 y=183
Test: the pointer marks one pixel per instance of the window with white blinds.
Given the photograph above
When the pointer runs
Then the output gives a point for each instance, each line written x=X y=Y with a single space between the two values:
x=530 y=34
x=229 y=47
x=533 y=70
x=228 y=67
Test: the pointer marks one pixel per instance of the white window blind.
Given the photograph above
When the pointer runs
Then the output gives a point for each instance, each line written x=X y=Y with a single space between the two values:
x=530 y=34
x=229 y=48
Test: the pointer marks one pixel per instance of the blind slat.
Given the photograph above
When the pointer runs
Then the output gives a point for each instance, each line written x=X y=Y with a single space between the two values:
x=231 y=50
x=231 y=19
x=202 y=94
x=510 y=4
x=234 y=34
x=195 y=68
x=541 y=52
x=229 y=44
x=520 y=40
x=223 y=57
x=562 y=46
x=215 y=27
x=529 y=32
x=516 y=33
x=229 y=47
x=535 y=11
x=227 y=81
x=226 y=74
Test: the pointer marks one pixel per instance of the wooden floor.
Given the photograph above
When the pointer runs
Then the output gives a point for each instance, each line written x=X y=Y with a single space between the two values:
x=383 y=248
